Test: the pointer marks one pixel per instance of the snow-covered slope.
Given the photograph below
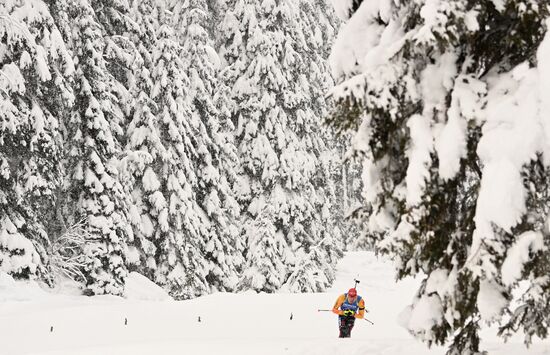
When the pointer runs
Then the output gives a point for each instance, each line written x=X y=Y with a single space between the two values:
x=246 y=323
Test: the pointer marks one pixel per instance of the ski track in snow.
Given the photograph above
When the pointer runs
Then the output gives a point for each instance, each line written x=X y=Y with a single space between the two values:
x=242 y=324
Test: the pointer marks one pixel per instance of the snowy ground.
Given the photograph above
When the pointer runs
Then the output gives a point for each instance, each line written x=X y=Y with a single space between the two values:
x=240 y=324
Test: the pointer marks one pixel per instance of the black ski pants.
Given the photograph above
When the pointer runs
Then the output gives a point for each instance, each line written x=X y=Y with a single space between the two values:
x=345 y=325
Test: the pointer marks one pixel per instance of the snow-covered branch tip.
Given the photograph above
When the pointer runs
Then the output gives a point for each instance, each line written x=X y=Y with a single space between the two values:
x=24 y=30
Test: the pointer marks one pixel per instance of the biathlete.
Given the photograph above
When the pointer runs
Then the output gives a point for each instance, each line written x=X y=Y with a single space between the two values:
x=348 y=307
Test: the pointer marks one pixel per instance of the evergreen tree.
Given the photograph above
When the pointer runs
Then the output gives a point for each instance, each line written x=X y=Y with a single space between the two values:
x=142 y=135
x=217 y=158
x=179 y=153
x=121 y=52
x=318 y=23
x=439 y=94
x=265 y=269
x=168 y=141
x=279 y=148
x=94 y=192
x=34 y=93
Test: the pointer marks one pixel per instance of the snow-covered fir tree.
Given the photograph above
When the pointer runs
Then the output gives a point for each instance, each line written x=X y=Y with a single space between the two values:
x=94 y=192
x=34 y=95
x=450 y=105
x=196 y=142
x=340 y=179
x=142 y=136
x=217 y=158
x=279 y=144
x=344 y=167
x=170 y=142
x=318 y=23
x=121 y=49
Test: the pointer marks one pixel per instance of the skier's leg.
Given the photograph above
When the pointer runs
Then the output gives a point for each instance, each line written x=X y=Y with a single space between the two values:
x=347 y=332
x=350 y=326
x=346 y=327
x=341 y=327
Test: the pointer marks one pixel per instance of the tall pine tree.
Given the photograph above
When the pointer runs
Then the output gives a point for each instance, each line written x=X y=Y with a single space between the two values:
x=34 y=95
x=142 y=137
x=94 y=192
x=280 y=151
x=217 y=158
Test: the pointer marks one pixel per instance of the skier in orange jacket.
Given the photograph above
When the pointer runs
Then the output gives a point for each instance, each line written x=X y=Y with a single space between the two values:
x=348 y=307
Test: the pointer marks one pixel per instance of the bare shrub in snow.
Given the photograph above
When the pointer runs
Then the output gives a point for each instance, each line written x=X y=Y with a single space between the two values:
x=67 y=252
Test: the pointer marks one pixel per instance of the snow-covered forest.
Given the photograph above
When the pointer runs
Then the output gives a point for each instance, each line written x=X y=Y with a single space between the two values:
x=179 y=139
x=235 y=145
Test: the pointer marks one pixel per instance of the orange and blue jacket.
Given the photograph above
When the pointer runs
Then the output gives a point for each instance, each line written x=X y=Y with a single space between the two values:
x=342 y=304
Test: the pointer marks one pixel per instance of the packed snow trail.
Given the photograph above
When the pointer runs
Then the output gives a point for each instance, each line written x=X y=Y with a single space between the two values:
x=243 y=324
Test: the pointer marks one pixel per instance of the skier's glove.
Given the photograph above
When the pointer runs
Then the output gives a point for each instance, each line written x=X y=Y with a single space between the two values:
x=349 y=313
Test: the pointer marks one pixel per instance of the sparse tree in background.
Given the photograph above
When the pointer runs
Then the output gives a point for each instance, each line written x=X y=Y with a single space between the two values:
x=449 y=104
x=338 y=174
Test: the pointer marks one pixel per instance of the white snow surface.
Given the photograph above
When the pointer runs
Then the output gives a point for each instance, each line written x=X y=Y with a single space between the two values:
x=138 y=287
x=244 y=324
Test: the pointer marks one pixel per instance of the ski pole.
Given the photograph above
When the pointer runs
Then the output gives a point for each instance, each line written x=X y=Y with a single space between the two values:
x=330 y=310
